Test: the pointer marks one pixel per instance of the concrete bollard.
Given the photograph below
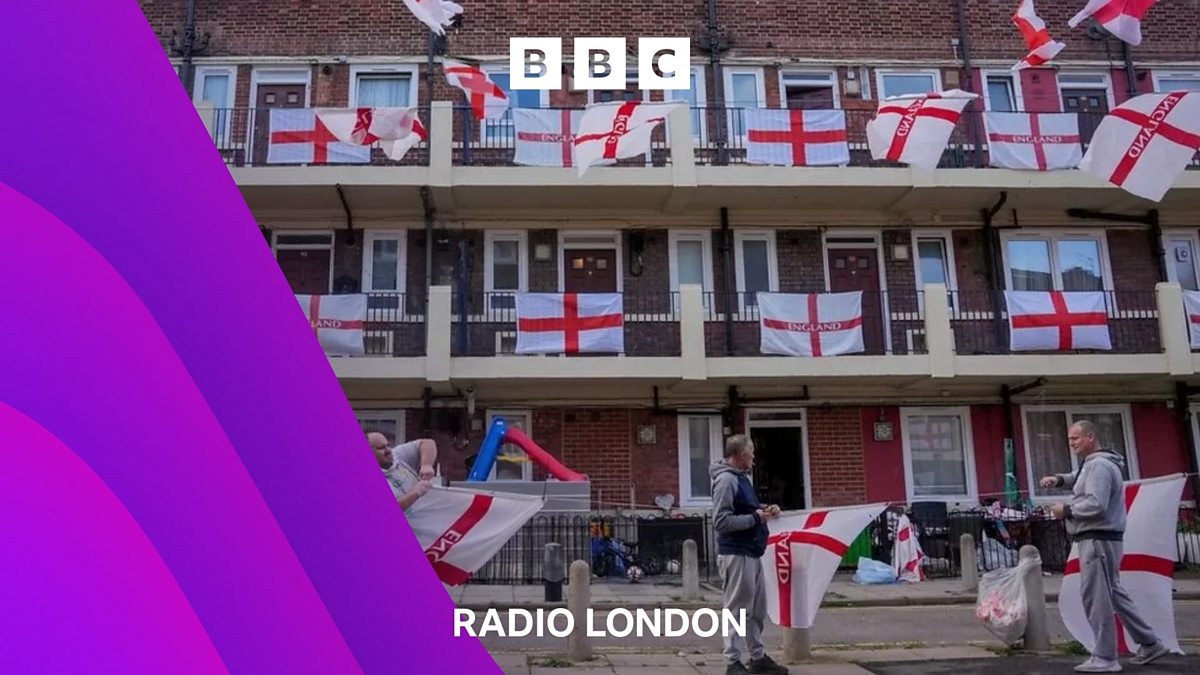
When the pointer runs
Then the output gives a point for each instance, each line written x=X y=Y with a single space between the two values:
x=691 y=571
x=579 y=599
x=969 y=562
x=553 y=571
x=1037 y=628
x=796 y=645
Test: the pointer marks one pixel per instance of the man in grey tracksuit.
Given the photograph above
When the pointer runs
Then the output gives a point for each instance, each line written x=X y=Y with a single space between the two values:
x=741 y=526
x=1095 y=519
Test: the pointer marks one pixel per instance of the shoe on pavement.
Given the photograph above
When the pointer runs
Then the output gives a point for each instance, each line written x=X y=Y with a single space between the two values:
x=766 y=666
x=1145 y=654
x=736 y=668
x=1095 y=665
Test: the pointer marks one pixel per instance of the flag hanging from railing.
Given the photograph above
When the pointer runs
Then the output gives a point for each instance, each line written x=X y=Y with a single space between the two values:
x=796 y=137
x=570 y=323
x=396 y=130
x=1144 y=144
x=916 y=129
x=1033 y=141
x=545 y=137
x=1147 y=566
x=810 y=324
x=1036 y=35
x=1191 y=310
x=803 y=552
x=337 y=320
x=617 y=130
x=299 y=136
x=1057 y=320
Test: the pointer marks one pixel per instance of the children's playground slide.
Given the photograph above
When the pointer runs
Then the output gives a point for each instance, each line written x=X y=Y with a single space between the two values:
x=500 y=433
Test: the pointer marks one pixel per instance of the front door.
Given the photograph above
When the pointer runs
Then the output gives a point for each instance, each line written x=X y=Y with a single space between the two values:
x=307 y=270
x=1092 y=106
x=272 y=96
x=590 y=270
x=779 y=465
x=857 y=269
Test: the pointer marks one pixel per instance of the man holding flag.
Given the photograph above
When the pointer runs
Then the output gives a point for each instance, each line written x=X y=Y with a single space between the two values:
x=403 y=463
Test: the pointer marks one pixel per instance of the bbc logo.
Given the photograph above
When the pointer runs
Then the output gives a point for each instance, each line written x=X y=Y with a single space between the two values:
x=663 y=63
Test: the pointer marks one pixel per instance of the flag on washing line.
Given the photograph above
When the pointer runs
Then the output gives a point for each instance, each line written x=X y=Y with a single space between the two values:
x=1191 y=308
x=810 y=324
x=803 y=552
x=395 y=129
x=617 y=130
x=796 y=137
x=1036 y=35
x=488 y=100
x=916 y=129
x=1122 y=18
x=570 y=323
x=1033 y=141
x=437 y=14
x=1144 y=144
x=1057 y=320
x=1147 y=567
x=299 y=136
x=337 y=320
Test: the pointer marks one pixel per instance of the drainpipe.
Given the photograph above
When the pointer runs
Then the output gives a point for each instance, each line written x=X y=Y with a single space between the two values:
x=990 y=267
x=189 y=46
x=714 y=59
x=727 y=260
x=1131 y=90
x=964 y=40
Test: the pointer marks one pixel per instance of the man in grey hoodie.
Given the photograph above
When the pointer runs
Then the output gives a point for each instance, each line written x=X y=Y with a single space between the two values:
x=741 y=526
x=1095 y=519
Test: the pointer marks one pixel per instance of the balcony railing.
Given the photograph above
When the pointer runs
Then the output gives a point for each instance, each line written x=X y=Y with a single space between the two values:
x=395 y=324
x=892 y=324
x=980 y=322
x=487 y=324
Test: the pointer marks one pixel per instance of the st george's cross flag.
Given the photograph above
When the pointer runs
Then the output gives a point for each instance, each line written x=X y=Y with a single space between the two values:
x=396 y=130
x=437 y=14
x=811 y=324
x=1144 y=144
x=460 y=530
x=546 y=137
x=1036 y=35
x=299 y=136
x=907 y=556
x=796 y=137
x=617 y=130
x=487 y=99
x=1191 y=308
x=570 y=323
x=803 y=552
x=1057 y=320
x=1033 y=141
x=915 y=129
x=1122 y=18
x=1147 y=566
x=337 y=320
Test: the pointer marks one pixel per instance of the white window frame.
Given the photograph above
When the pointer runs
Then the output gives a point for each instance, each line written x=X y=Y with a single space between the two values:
x=785 y=80
x=1014 y=78
x=951 y=273
x=482 y=127
x=716 y=451
x=699 y=134
x=401 y=262
x=276 y=247
x=1102 y=79
x=1157 y=75
x=589 y=239
x=1054 y=238
x=1180 y=233
x=705 y=239
x=1131 y=451
x=739 y=238
x=386 y=69
x=963 y=414
x=750 y=424
x=203 y=72
x=397 y=415
x=490 y=237
x=759 y=79
x=527 y=466
x=881 y=73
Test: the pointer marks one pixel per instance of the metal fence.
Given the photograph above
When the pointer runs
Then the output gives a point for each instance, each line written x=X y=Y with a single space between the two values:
x=395 y=324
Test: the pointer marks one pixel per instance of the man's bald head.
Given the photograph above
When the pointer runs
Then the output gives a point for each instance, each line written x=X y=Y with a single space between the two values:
x=381 y=447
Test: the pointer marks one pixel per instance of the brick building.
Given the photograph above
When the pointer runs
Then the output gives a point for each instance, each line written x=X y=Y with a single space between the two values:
x=688 y=234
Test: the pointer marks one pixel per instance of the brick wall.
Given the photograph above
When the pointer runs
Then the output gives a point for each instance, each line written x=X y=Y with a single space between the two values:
x=543 y=275
x=1135 y=268
x=597 y=443
x=836 y=460
x=800 y=260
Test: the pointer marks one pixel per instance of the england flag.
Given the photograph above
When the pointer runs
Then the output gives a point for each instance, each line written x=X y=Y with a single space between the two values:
x=617 y=130
x=396 y=130
x=298 y=136
x=1036 y=35
x=813 y=324
x=570 y=323
x=545 y=137
x=796 y=137
x=1033 y=141
x=337 y=320
x=1122 y=18
x=916 y=129
x=1191 y=308
x=1057 y=320
x=437 y=14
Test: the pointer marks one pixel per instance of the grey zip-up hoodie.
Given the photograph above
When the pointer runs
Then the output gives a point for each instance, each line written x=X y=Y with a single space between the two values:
x=740 y=530
x=1097 y=506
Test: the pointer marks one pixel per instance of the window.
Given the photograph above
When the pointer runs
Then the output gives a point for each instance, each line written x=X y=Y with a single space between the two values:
x=1046 y=448
x=1086 y=92
x=493 y=130
x=390 y=423
x=902 y=83
x=1180 y=249
x=691 y=259
x=756 y=266
x=504 y=268
x=1001 y=93
x=933 y=259
x=938 y=461
x=699 y=446
x=743 y=89
x=697 y=100
x=215 y=86
x=383 y=261
x=809 y=90
x=383 y=86
x=1059 y=262
x=512 y=463
x=1176 y=82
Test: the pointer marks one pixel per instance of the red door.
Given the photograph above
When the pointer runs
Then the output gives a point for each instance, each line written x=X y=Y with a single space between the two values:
x=590 y=271
x=272 y=96
x=1091 y=105
x=307 y=271
x=857 y=269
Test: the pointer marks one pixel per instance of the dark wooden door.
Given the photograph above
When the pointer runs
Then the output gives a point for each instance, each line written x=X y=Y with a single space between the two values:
x=272 y=96
x=307 y=271
x=590 y=271
x=857 y=269
x=1091 y=106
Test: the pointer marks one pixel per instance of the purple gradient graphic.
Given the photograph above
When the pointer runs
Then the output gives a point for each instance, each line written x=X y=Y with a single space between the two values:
x=158 y=340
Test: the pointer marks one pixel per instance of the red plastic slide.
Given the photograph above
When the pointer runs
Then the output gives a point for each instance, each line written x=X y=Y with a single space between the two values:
x=537 y=454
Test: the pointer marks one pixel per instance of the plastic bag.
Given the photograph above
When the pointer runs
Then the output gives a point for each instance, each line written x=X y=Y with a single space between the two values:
x=1001 y=605
x=874 y=572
